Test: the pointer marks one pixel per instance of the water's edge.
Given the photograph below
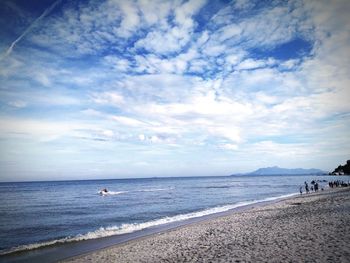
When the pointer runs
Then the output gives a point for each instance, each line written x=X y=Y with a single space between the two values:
x=57 y=252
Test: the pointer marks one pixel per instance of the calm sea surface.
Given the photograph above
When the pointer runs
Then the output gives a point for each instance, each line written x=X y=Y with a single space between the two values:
x=35 y=214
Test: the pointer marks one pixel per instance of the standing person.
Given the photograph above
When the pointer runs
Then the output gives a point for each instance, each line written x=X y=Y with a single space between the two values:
x=301 y=190
x=306 y=187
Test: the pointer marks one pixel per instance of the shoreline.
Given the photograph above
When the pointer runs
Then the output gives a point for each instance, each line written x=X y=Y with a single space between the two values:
x=310 y=227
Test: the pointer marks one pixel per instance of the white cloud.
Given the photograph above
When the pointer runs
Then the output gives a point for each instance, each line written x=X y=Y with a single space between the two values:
x=251 y=64
x=24 y=98
x=228 y=146
x=263 y=98
x=218 y=117
x=280 y=23
x=213 y=50
x=233 y=59
x=230 y=31
x=163 y=42
x=198 y=65
x=43 y=79
x=229 y=132
x=108 y=97
x=18 y=104
x=9 y=66
x=243 y=4
x=108 y=133
x=128 y=121
x=271 y=148
x=154 y=64
x=142 y=137
x=167 y=38
x=289 y=64
x=155 y=12
x=92 y=112
x=37 y=129
x=131 y=19
x=203 y=38
x=117 y=63
x=184 y=13
x=164 y=87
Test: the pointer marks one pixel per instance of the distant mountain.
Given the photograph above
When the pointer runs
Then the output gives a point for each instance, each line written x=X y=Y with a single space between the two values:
x=275 y=170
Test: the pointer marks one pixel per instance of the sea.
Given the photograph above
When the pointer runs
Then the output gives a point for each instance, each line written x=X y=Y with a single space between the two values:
x=38 y=214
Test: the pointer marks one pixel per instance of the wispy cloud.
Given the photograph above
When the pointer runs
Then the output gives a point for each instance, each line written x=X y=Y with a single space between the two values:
x=29 y=28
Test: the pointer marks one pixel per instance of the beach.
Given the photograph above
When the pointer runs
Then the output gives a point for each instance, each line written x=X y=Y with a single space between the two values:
x=306 y=228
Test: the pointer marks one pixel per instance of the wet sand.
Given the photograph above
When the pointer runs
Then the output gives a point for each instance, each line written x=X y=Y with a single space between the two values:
x=307 y=228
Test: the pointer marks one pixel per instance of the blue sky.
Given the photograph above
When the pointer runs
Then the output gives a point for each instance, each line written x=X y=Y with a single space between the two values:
x=116 y=89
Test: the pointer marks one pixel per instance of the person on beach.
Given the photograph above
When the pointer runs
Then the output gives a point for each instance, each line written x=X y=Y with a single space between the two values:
x=316 y=187
x=306 y=187
x=301 y=190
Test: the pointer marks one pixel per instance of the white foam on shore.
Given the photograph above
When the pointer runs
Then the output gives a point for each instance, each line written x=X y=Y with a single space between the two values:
x=130 y=228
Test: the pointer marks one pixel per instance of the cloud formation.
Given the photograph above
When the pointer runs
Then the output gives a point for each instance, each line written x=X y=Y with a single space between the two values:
x=181 y=82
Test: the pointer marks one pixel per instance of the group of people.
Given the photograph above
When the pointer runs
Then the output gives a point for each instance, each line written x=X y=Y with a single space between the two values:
x=338 y=183
x=314 y=187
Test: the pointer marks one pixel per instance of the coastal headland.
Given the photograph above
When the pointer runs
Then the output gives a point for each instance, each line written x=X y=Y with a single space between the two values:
x=305 y=228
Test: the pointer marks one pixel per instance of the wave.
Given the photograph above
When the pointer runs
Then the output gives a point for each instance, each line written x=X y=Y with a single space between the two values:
x=115 y=193
x=130 y=228
x=141 y=190
x=154 y=189
x=221 y=186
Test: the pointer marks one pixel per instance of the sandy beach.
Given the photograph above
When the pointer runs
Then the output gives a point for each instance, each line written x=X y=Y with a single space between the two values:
x=307 y=228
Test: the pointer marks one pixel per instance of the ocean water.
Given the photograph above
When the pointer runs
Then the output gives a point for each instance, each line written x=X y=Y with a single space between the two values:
x=37 y=214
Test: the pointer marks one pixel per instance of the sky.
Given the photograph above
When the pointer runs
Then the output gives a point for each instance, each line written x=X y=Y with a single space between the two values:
x=144 y=88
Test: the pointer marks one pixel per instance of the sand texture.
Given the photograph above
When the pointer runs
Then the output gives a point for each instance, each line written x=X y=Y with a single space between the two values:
x=308 y=228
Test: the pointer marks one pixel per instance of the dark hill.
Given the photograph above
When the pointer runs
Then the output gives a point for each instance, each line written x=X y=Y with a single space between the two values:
x=342 y=169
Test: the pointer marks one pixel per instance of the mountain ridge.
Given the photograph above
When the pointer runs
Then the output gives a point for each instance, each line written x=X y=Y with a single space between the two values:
x=275 y=170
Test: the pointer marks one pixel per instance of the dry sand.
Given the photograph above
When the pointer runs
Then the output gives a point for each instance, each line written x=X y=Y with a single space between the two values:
x=308 y=228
